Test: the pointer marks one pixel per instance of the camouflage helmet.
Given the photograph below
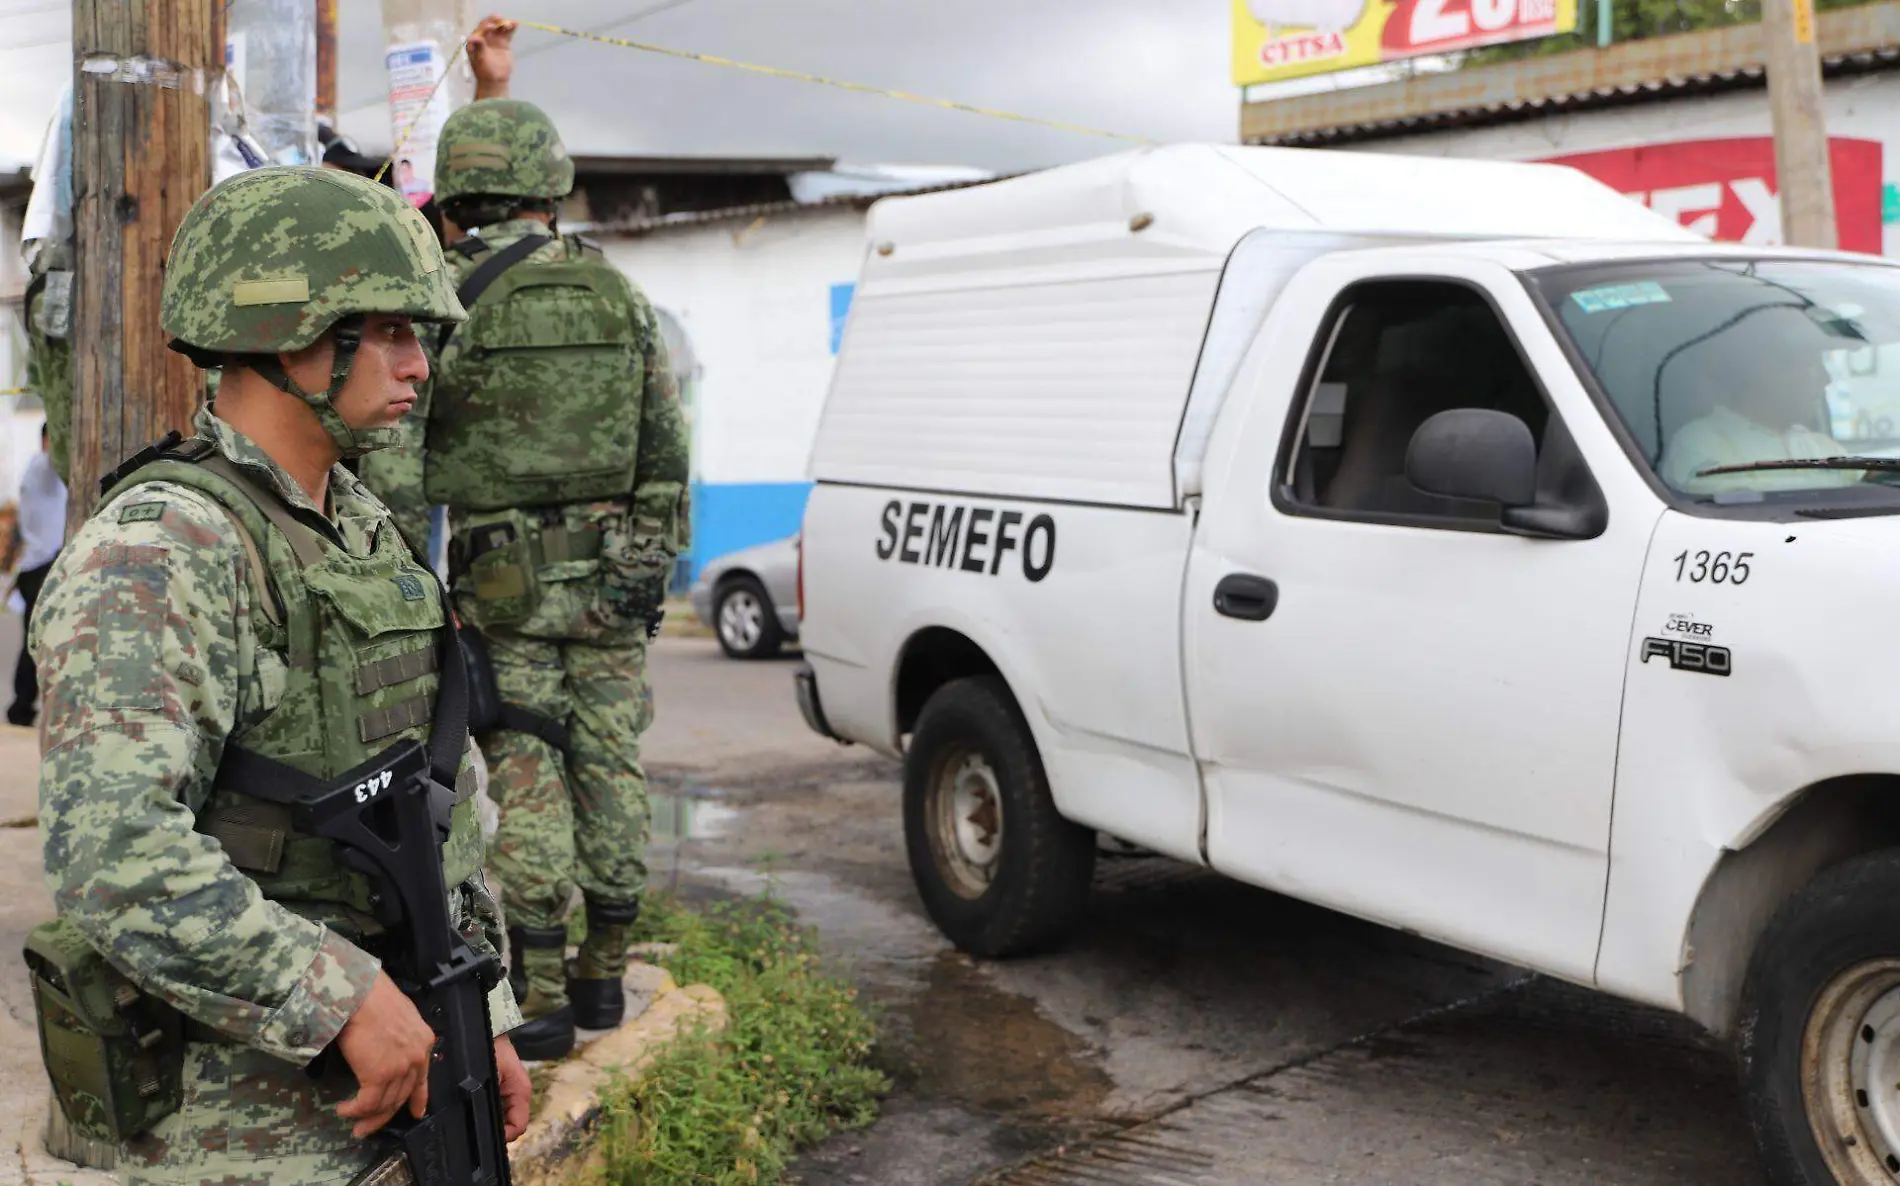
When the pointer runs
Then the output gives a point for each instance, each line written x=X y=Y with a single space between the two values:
x=271 y=259
x=505 y=147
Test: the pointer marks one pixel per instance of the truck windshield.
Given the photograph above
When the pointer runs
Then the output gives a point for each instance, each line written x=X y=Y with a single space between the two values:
x=1735 y=365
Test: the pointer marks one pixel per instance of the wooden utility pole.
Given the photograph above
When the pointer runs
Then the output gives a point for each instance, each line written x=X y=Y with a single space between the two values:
x=1802 y=169
x=326 y=61
x=144 y=73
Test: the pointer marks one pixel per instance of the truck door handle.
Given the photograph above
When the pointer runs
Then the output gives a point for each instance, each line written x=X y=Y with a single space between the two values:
x=1247 y=597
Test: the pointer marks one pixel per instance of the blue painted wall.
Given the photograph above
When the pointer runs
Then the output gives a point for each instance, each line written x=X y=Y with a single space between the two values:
x=841 y=295
x=728 y=516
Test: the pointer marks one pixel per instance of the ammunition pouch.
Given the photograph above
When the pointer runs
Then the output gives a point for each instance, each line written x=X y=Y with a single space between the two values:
x=499 y=570
x=115 y=1055
x=509 y=557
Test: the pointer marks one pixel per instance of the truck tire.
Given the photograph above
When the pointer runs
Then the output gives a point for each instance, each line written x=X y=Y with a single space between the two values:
x=999 y=871
x=1819 y=1037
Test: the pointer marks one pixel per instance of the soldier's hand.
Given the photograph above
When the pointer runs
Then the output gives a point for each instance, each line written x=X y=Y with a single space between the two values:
x=491 y=55
x=388 y=1047
x=516 y=1091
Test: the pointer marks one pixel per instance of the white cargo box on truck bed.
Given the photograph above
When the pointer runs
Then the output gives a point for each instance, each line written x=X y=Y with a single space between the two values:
x=1041 y=336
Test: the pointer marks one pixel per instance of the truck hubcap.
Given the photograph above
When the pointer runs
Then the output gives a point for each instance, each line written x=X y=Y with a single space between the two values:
x=967 y=814
x=741 y=620
x=1850 y=1074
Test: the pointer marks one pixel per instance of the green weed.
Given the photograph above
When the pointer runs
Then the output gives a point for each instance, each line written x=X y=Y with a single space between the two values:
x=790 y=1068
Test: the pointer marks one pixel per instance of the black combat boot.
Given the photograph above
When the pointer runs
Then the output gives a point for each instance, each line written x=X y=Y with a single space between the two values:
x=539 y=956
x=600 y=1003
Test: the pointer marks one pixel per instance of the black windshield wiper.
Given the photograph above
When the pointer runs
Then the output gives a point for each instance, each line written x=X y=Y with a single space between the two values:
x=1891 y=464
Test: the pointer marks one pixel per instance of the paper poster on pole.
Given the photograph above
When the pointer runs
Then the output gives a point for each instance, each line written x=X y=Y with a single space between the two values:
x=1281 y=39
x=237 y=62
x=414 y=69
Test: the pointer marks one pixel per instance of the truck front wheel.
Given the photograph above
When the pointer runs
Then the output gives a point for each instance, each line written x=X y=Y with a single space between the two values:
x=999 y=871
x=1820 y=1030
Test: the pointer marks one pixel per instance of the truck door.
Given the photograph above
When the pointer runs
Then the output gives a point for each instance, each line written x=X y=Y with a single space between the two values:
x=1402 y=709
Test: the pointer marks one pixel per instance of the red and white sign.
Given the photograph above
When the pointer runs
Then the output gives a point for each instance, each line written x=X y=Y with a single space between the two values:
x=1438 y=26
x=1725 y=189
x=1280 y=39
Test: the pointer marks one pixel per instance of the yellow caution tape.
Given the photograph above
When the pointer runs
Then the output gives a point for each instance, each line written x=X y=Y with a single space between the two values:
x=409 y=131
x=17 y=391
x=820 y=80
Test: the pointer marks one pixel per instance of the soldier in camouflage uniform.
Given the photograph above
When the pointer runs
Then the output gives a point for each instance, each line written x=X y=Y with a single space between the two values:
x=247 y=593
x=49 y=350
x=554 y=436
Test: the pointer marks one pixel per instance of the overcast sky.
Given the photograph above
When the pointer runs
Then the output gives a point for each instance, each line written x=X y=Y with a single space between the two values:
x=1155 y=68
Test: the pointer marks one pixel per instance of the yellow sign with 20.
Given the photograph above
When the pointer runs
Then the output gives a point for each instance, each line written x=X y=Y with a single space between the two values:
x=1280 y=39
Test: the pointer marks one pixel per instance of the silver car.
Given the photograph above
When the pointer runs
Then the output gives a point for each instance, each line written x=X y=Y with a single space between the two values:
x=750 y=599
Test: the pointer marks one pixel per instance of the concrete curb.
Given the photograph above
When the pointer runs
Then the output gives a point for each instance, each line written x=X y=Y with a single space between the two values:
x=559 y=1141
x=40 y=1168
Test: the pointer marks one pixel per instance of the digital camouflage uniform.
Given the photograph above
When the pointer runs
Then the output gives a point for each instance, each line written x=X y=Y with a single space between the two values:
x=602 y=562
x=180 y=622
x=49 y=348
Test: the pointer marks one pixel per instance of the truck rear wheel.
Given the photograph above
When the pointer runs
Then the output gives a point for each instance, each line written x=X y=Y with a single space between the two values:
x=1820 y=1031
x=1000 y=872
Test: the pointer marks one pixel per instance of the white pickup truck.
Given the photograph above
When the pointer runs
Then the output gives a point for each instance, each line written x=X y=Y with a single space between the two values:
x=1454 y=544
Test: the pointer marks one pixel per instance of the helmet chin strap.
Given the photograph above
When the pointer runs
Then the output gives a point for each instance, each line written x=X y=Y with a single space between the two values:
x=350 y=442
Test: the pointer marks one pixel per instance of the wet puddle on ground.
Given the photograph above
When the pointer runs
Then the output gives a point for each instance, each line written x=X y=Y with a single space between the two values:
x=691 y=814
x=963 y=1040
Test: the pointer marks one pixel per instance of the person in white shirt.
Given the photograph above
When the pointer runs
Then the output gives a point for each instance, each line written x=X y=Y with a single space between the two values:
x=1767 y=382
x=42 y=532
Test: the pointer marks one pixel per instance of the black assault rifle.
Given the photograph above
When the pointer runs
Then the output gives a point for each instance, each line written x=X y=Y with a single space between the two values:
x=389 y=818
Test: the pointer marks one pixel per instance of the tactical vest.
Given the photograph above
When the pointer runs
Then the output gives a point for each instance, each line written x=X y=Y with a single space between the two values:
x=538 y=399
x=361 y=639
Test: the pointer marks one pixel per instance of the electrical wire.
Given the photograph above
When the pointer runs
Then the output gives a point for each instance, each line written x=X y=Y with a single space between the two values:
x=610 y=26
x=839 y=84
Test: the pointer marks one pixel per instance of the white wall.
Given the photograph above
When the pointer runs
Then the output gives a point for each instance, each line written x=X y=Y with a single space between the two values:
x=1680 y=177
x=755 y=300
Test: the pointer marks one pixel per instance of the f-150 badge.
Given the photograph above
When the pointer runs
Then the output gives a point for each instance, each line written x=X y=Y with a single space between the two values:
x=1699 y=657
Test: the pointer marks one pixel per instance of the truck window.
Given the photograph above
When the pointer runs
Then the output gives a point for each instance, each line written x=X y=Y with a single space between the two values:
x=1396 y=354
x=1745 y=382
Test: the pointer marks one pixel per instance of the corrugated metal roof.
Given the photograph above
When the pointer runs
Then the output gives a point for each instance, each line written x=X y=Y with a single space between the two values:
x=690 y=218
x=616 y=166
x=1851 y=40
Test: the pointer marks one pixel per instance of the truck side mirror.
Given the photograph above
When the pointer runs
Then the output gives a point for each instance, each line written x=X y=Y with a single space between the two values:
x=1474 y=453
